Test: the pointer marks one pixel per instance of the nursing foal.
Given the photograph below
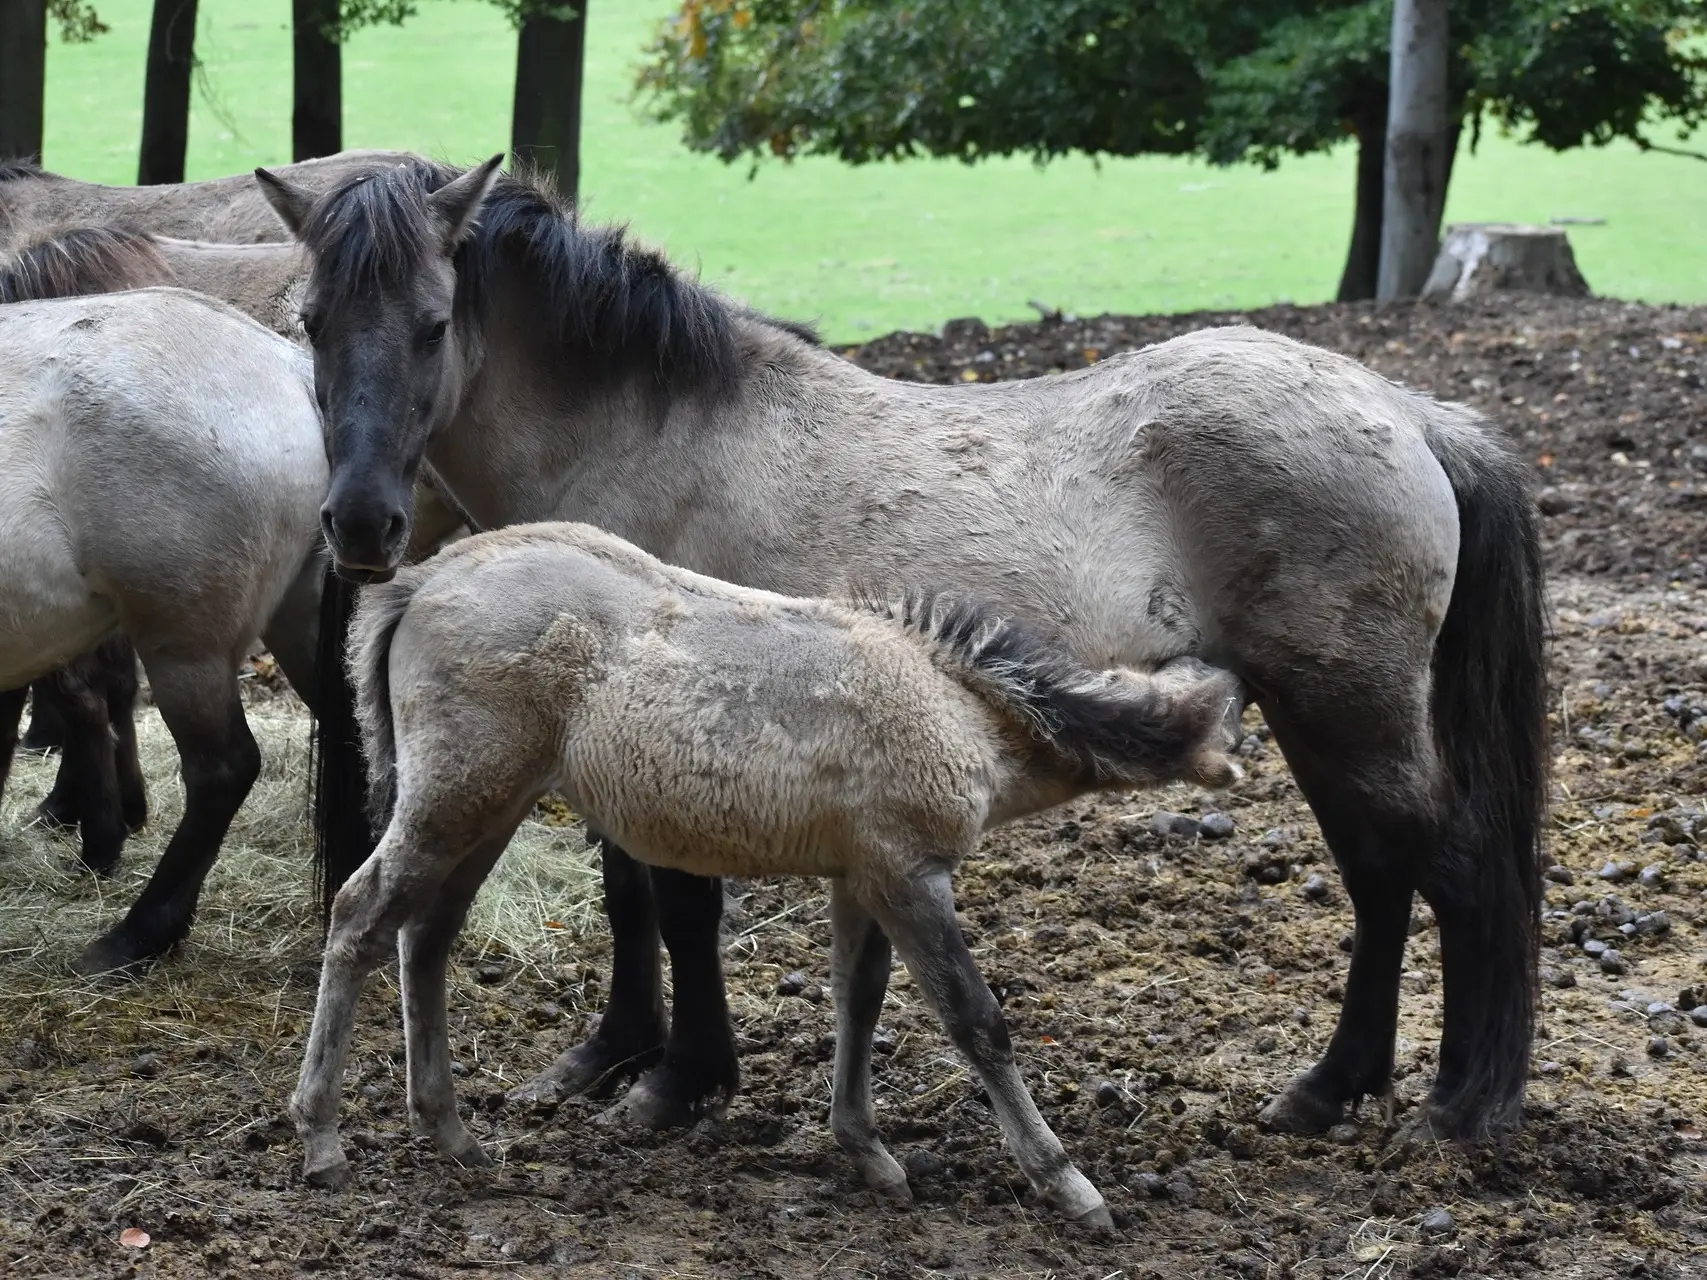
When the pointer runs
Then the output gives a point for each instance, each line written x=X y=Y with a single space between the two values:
x=722 y=730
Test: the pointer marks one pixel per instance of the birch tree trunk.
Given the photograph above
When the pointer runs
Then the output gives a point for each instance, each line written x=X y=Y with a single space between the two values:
x=1414 y=190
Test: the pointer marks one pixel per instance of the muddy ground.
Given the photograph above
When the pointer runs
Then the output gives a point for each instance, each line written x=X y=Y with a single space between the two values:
x=1159 y=989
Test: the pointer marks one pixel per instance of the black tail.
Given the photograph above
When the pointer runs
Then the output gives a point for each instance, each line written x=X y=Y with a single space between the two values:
x=342 y=836
x=1105 y=732
x=1490 y=719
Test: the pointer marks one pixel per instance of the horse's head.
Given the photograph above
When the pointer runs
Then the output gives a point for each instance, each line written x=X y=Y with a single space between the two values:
x=380 y=311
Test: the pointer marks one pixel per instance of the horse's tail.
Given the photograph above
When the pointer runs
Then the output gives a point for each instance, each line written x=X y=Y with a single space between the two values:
x=1108 y=727
x=1490 y=725
x=343 y=838
x=82 y=260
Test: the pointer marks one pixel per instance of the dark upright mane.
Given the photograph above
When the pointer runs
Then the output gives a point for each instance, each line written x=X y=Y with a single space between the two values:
x=82 y=260
x=14 y=167
x=616 y=308
x=1102 y=733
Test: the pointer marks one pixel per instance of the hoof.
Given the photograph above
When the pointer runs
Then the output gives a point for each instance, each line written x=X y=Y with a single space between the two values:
x=1301 y=1111
x=1096 y=1222
x=1076 y=1199
x=328 y=1175
x=660 y=1099
x=469 y=1154
x=57 y=817
x=116 y=951
x=592 y=1068
x=100 y=862
x=885 y=1176
x=542 y=1093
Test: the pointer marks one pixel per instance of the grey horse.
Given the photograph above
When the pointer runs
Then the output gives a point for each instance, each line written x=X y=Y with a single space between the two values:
x=211 y=423
x=1363 y=557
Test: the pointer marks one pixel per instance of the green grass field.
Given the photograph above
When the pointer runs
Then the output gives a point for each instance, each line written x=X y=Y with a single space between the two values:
x=876 y=248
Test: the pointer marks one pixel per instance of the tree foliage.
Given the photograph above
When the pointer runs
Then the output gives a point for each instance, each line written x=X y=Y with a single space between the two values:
x=77 y=19
x=866 y=80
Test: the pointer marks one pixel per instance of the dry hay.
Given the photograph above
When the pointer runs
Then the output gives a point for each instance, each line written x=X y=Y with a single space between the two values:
x=257 y=931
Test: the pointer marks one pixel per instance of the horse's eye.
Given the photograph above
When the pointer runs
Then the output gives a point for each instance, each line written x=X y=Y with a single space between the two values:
x=310 y=325
x=435 y=335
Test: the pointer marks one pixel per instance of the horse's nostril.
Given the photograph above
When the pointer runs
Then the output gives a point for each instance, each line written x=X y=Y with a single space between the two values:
x=394 y=529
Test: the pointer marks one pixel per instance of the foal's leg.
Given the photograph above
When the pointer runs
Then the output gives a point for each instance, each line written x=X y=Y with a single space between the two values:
x=918 y=915
x=1372 y=784
x=48 y=703
x=699 y=1073
x=630 y=1036
x=423 y=950
x=375 y=902
x=199 y=702
x=859 y=970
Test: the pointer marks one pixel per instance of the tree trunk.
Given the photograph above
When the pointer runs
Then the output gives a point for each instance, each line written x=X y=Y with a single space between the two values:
x=166 y=92
x=317 y=113
x=1414 y=190
x=1363 y=259
x=23 y=61
x=545 y=130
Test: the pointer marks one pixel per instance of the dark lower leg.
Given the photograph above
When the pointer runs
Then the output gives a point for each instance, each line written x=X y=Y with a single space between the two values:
x=11 y=711
x=91 y=765
x=119 y=672
x=860 y=975
x=62 y=805
x=220 y=764
x=630 y=1036
x=699 y=1073
x=47 y=726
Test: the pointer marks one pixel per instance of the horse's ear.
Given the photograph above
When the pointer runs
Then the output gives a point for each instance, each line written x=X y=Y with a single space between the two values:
x=457 y=204
x=289 y=201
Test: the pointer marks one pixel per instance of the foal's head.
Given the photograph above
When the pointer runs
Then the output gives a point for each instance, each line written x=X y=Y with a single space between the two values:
x=380 y=310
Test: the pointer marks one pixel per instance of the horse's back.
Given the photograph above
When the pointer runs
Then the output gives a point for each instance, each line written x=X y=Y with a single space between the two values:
x=169 y=444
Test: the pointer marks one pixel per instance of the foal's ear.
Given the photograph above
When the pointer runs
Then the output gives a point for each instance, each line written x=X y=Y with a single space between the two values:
x=457 y=204
x=289 y=201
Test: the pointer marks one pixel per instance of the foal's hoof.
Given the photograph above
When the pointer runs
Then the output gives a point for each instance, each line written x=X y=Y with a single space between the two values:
x=658 y=1100
x=57 y=817
x=1076 y=1198
x=332 y=1174
x=1299 y=1110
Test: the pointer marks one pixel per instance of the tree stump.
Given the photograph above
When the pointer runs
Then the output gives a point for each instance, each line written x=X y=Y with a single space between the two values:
x=1482 y=257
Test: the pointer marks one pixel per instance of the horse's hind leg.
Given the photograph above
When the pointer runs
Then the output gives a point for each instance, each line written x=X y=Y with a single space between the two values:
x=11 y=711
x=89 y=768
x=630 y=1036
x=119 y=674
x=699 y=1073
x=198 y=700
x=860 y=974
x=917 y=912
x=47 y=726
x=423 y=950
x=61 y=806
x=1368 y=769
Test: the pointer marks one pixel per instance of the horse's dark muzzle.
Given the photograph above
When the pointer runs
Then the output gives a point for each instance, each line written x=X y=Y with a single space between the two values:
x=367 y=543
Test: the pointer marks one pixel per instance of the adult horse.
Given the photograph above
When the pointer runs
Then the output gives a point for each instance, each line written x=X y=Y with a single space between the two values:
x=1363 y=557
x=209 y=425
x=228 y=209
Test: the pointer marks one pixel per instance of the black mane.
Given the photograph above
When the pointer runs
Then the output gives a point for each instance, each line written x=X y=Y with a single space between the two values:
x=617 y=309
x=82 y=260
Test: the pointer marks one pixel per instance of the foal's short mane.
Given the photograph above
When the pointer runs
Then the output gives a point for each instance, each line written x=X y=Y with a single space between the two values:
x=15 y=167
x=618 y=309
x=82 y=260
x=1102 y=733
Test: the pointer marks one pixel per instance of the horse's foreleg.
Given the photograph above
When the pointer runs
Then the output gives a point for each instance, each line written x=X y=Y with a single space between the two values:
x=860 y=975
x=630 y=1036
x=917 y=912
x=699 y=1073
x=423 y=950
x=199 y=702
x=63 y=804
x=47 y=727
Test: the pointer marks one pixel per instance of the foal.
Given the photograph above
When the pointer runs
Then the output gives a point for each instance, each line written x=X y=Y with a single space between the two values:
x=721 y=730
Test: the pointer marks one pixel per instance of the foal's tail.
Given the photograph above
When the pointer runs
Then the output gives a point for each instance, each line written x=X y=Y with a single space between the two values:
x=1490 y=724
x=1115 y=727
x=82 y=260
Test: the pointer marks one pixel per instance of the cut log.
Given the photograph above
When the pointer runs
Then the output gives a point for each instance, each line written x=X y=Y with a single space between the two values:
x=1484 y=257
